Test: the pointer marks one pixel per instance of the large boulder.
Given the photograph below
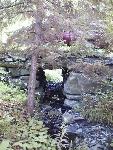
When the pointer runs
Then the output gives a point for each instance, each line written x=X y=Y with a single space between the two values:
x=79 y=84
x=72 y=103
x=74 y=84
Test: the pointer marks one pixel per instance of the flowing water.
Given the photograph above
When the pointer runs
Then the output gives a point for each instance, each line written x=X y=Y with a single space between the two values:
x=77 y=129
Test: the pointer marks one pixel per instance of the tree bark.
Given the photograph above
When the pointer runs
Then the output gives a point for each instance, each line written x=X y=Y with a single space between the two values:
x=31 y=85
x=32 y=78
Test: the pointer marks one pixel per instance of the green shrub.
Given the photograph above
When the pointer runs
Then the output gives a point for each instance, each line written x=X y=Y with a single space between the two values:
x=25 y=135
x=9 y=93
x=17 y=130
x=101 y=111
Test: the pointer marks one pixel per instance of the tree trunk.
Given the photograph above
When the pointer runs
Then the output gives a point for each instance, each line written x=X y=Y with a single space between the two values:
x=31 y=86
x=32 y=78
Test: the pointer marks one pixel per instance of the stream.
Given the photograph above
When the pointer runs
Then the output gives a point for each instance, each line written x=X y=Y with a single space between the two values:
x=75 y=127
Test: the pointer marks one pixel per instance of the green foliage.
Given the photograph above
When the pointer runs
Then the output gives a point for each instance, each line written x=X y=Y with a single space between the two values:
x=18 y=131
x=53 y=75
x=62 y=141
x=101 y=110
x=61 y=138
x=8 y=92
x=25 y=135
x=5 y=145
x=4 y=125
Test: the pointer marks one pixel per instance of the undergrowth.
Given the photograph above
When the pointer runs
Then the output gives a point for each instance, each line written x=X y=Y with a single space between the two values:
x=9 y=93
x=18 y=131
x=100 y=110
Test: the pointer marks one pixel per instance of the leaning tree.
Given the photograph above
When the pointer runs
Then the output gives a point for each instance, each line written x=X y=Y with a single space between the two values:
x=42 y=37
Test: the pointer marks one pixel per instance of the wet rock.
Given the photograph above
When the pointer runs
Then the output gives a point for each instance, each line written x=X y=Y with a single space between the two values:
x=73 y=97
x=74 y=131
x=52 y=118
x=54 y=86
x=72 y=103
x=98 y=147
x=74 y=84
x=70 y=117
x=65 y=108
x=109 y=62
x=95 y=136
x=45 y=108
x=93 y=143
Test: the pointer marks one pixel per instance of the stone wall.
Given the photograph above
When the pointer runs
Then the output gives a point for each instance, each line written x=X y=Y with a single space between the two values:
x=17 y=68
